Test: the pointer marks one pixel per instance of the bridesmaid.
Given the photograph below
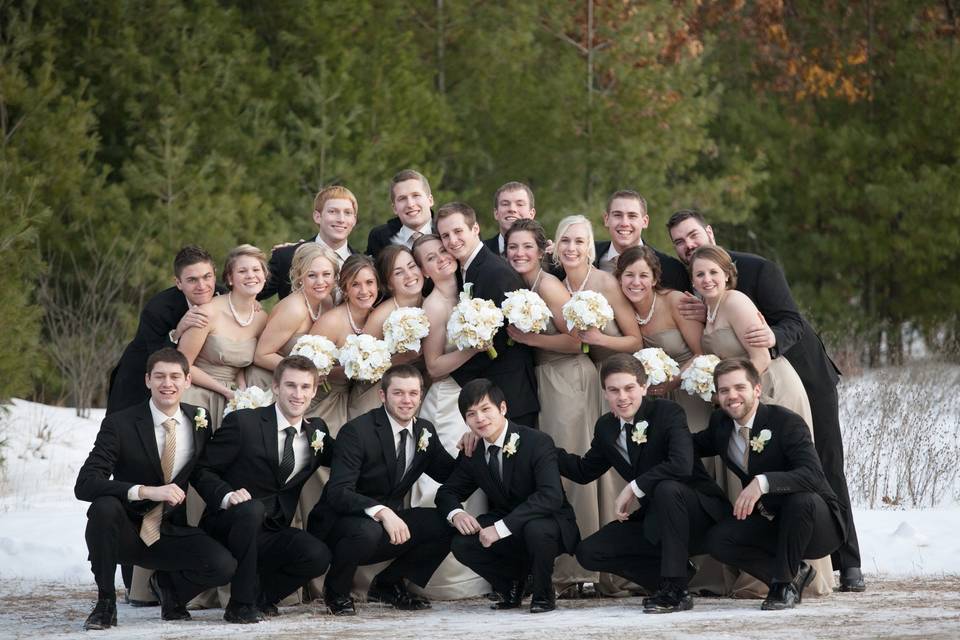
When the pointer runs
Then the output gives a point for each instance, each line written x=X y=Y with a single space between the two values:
x=729 y=314
x=452 y=580
x=567 y=383
x=403 y=281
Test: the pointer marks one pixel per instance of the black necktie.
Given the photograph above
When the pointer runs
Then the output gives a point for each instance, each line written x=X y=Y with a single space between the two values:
x=631 y=445
x=493 y=463
x=402 y=456
x=287 y=462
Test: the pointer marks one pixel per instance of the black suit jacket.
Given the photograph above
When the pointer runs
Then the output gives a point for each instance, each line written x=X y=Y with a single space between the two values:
x=530 y=486
x=666 y=455
x=278 y=280
x=673 y=274
x=379 y=236
x=788 y=459
x=243 y=454
x=363 y=472
x=125 y=454
x=513 y=368
x=493 y=244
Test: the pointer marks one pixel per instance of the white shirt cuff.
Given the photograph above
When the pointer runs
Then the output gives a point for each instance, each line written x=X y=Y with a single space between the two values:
x=637 y=491
x=764 y=483
x=453 y=513
x=502 y=529
x=133 y=493
x=226 y=500
x=374 y=510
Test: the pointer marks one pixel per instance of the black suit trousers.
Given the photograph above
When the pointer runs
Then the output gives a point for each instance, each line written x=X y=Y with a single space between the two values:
x=772 y=550
x=272 y=561
x=194 y=562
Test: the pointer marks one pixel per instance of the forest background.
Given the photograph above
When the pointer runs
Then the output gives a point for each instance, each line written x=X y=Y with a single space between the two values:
x=824 y=135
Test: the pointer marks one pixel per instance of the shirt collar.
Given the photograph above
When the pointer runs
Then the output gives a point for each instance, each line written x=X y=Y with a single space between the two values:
x=613 y=254
x=500 y=243
x=499 y=441
x=466 y=265
x=405 y=232
x=282 y=422
x=343 y=252
x=396 y=426
x=630 y=422
x=159 y=417
x=748 y=425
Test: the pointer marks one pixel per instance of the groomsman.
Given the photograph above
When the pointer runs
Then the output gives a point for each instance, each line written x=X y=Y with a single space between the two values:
x=379 y=457
x=335 y=214
x=136 y=480
x=513 y=201
x=163 y=320
x=787 y=510
x=513 y=368
x=530 y=521
x=412 y=201
x=785 y=332
x=647 y=441
x=250 y=477
x=625 y=219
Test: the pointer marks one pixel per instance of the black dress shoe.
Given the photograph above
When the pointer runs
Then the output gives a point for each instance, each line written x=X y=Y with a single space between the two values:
x=339 y=605
x=103 y=616
x=669 y=598
x=542 y=603
x=511 y=598
x=782 y=595
x=240 y=613
x=170 y=607
x=396 y=595
x=851 y=579
x=804 y=577
x=268 y=610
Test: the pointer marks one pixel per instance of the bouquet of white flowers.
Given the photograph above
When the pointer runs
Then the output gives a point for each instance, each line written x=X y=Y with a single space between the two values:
x=526 y=310
x=320 y=350
x=474 y=322
x=249 y=398
x=587 y=310
x=405 y=328
x=659 y=366
x=697 y=379
x=364 y=358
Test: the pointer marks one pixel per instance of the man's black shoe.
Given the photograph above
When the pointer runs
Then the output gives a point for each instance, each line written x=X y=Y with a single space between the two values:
x=240 y=613
x=339 y=605
x=170 y=607
x=851 y=579
x=670 y=598
x=804 y=577
x=397 y=596
x=268 y=610
x=103 y=616
x=543 y=603
x=782 y=595
x=511 y=598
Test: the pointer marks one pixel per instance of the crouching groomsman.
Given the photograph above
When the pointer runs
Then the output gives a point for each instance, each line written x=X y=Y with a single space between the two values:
x=136 y=479
x=380 y=455
x=787 y=510
x=250 y=477
x=530 y=521
x=647 y=441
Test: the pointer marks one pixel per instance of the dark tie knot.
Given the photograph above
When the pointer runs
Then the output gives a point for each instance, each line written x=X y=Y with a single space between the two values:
x=493 y=450
x=290 y=431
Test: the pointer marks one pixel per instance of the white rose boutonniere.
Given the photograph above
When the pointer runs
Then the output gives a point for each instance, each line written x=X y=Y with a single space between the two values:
x=511 y=447
x=639 y=434
x=200 y=420
x=758 y=443
x=424 y=440
x=317 y=443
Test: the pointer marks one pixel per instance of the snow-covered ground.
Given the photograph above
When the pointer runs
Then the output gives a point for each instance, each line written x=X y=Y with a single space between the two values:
x=911 y=558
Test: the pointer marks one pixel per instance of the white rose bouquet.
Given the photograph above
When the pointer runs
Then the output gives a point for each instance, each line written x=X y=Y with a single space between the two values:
x=697 y=379
x=474 y=322
x=320 y=350
x=587 y=310
x=659 y=366
x=405 y=328
x=527 y=311
x=249 y=398
x=364 y=358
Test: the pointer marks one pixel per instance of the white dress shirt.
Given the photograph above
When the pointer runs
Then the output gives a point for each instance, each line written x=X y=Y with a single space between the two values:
x=396 y=427
x=501 y=242
x=405 y=235
x=737 y=447
x=625 y=452
x=502 y=530
x=184 y=451
x=609 y=259
x=342 y=253
x=466 y=265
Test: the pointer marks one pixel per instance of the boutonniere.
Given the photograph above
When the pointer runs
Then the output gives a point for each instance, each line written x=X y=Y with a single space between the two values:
x=424 y=440
x=639 y=434
x=200 y=420
x=317 y=442
x=511 y=447
x=758 y=443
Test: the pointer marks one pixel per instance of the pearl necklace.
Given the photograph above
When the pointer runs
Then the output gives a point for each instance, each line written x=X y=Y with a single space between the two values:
x=653 y=305
x=236 y=316
x=712 y=315
x=566 y=282
x=353 y=325
x=313 y=316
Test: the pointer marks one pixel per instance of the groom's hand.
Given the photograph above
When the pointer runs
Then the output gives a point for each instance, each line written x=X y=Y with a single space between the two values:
x=466 y=523
x=747 y=499
x=169 y=493
x=488 y=535
x=394 y=525
x=692 y=308
x=626 y=503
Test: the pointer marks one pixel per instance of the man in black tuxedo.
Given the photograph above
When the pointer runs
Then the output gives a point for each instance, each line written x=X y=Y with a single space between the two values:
x=786 y=510
x=380 y=455
x=250 y=476
x=785 y=332
x=647 y=441
x=136 y=479
x=513 y=201
x=625 y=219
x=491 y=278
x=335 y=214
x=163 y=320
x=529 y=522
x=411 y=200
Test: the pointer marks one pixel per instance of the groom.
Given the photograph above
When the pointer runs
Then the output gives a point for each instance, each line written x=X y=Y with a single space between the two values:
x=491 y=278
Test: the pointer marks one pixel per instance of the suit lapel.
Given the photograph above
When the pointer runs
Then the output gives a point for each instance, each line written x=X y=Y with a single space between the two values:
x=199 y=435
x=726 y=433
x=149 y=438
x=268 y=429
x=758 y=421
x=508 y=460
x=387 y=446
x=637 y=449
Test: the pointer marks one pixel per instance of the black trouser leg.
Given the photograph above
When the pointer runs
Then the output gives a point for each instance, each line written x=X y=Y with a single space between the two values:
x=238 y=528
x=105 y=519
x=286 y=559
x=542 y=541
x=418 y=558
x=621 y=548
x=682 y=523
x=503 y=562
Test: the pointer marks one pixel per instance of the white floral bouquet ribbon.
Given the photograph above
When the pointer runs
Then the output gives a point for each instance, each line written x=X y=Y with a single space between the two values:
x=474 y=322
x=321 y=351
x=364 y=358
x=250 y=398
x=659 y=366
x=405 y=328
x=587 y=310
x=527 y=311
x=697 y=379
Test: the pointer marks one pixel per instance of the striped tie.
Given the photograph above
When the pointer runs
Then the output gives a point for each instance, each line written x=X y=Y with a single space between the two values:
x=150 y=528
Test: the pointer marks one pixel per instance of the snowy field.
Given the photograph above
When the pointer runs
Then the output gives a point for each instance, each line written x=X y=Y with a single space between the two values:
x=911 y=556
